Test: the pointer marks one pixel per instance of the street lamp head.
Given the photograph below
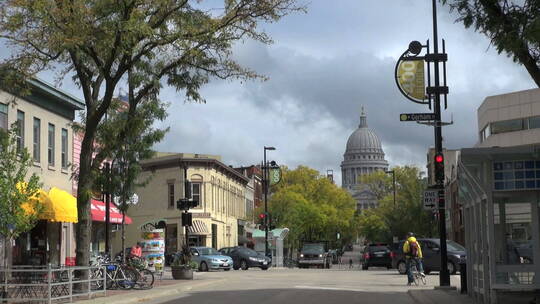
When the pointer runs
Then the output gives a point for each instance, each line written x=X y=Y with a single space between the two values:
x=269 y=148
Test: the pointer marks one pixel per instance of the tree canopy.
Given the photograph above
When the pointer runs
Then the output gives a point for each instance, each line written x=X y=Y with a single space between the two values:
x=102 y=44
x=388 y=220
x=312 y=207
x=19 y=196
x=512 y=26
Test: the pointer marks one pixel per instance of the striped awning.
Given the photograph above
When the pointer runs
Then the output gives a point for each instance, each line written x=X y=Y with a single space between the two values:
x=198 y=228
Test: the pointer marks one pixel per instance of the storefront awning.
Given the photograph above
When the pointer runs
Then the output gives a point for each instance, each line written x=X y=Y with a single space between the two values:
x=198 y=228
x=55 y=206
x=98 y=213
x=62 y=207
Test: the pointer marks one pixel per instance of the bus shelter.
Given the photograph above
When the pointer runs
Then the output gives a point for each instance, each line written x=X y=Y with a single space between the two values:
x=499 y=192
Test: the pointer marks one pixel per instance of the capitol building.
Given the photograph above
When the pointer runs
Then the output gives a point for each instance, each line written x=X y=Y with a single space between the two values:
x=363 y=155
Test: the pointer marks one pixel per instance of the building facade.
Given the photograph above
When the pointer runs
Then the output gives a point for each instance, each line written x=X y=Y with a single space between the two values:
x=363 y=155
x=511 y=119
x=44 y=119
x=219 y=189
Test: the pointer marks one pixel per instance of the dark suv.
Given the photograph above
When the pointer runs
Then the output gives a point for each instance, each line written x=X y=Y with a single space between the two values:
x=376 y=255
x=431 y=256
x=243 y=258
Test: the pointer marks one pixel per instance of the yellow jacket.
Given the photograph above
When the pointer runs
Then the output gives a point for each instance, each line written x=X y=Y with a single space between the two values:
x=407 y=249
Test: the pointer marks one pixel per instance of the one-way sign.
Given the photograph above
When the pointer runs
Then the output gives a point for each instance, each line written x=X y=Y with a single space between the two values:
x=430 y=199
x=416 y=116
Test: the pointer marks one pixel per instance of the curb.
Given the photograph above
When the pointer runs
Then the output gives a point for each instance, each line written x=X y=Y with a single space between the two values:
x=417 y=297
x=148 y=295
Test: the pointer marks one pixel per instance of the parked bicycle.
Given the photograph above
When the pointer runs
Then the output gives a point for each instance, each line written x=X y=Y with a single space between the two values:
x=145 y=278
x=117 y=274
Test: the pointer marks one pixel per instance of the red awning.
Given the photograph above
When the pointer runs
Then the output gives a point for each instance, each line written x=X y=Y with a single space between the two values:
x=98 y=213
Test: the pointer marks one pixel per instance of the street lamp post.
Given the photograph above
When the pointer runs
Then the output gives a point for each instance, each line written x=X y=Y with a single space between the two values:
x=393 y=183
x=265 y=183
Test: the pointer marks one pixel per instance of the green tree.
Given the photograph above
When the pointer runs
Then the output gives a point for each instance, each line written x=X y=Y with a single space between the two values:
x=512 y=26
x=19 y=206
x=312 y=208
x=180 y=43
x=126 y=138
x=406 y=215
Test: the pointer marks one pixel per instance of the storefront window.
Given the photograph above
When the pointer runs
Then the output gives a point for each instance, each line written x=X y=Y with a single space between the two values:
x=513 y=232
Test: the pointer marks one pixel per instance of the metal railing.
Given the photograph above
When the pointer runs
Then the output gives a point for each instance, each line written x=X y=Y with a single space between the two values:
x=45 y=284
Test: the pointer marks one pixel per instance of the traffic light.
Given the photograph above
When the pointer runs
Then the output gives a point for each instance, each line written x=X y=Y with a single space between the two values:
x=187 y=219
x=439 y=169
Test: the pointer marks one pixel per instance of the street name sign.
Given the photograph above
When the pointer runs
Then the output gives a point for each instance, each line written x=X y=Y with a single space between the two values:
x=417 y=116
x=430 y=199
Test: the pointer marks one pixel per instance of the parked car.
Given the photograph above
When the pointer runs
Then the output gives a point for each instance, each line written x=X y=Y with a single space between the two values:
x=243 y=258
x=431 y=256
x=208 y=258
x=377 y=254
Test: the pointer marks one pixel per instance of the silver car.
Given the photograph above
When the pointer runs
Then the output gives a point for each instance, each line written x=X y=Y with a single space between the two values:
x=209 y=258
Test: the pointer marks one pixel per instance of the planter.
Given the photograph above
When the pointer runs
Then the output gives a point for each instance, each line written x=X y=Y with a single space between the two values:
x=182 y=272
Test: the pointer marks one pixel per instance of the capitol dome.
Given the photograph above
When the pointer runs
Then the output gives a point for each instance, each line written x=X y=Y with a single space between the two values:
x=363 y=155
x=363 y=139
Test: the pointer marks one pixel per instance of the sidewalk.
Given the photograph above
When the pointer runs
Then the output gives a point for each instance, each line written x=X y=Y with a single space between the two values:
x=438 y=296
x=162 y=288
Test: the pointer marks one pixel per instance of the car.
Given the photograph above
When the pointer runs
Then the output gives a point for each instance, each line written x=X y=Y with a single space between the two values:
x=334 y=256
x=210 y=259
x=376 y=254
x=244 y=258
x=431 y=255
x=314 y=254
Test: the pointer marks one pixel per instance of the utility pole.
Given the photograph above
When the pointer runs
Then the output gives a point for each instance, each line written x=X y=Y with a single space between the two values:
x=107 y=187
x=444 y=276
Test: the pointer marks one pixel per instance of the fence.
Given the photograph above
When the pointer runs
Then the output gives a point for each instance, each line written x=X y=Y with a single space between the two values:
x=31 y=284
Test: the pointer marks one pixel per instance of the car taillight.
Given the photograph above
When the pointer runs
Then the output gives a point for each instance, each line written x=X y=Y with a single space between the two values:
x=366 y=256
x=392 y=254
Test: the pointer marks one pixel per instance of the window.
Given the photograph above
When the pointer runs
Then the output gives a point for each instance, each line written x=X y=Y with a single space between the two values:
x=20 y=131
x=36 y=152
x=507 y=126
x=170 y=189
x=64 y=148
x=196 y=192
x=3 y=116
x=50 y=145
x=534 y=122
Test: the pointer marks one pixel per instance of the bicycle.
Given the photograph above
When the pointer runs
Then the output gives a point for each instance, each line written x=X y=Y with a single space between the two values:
x=417 y=275
x=145 y=278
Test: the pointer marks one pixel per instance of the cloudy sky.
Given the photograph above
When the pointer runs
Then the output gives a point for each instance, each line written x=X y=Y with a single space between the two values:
x=325 y=65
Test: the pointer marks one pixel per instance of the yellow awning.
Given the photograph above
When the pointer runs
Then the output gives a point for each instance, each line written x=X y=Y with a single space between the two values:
x=56 y=206
x=62 y=208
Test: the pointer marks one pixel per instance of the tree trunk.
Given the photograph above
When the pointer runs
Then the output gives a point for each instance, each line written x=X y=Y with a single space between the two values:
x=84 y=190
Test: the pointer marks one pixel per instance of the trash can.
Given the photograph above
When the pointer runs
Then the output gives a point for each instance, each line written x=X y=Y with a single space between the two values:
x=463 y=276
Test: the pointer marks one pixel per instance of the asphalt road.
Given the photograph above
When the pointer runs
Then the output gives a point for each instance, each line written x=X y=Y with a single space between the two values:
x=302 y=286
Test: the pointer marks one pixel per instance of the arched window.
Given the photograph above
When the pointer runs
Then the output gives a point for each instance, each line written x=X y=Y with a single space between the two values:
x=197 y=189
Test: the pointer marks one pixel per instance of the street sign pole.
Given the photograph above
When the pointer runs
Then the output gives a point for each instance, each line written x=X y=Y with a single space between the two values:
x=444 y=276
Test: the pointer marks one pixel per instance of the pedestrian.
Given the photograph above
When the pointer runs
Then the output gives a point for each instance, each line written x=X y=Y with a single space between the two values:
x=350 y=263
x=136 y=250
x=413 y=252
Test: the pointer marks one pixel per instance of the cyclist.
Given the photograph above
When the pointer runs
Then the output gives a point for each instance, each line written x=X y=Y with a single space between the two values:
x=412 y=251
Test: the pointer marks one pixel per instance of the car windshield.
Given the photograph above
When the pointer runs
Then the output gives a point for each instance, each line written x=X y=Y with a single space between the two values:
x=249 y=252
x=208 y=251
x=313 y=248
x=451 y=245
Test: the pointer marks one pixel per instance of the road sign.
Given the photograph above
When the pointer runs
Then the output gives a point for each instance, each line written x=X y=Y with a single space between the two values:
x=430 y=199
x=416 y=116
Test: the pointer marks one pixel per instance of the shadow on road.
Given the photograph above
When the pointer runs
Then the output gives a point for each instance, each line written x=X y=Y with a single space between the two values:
x=293 y=296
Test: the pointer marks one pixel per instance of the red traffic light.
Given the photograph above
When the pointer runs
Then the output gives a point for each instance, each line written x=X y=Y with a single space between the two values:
x=439 y=158
x=261 y=216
